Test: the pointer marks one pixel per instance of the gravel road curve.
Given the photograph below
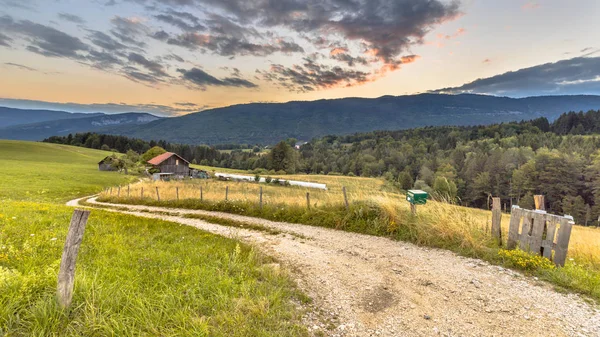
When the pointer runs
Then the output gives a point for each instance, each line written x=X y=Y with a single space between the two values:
x=363 y=285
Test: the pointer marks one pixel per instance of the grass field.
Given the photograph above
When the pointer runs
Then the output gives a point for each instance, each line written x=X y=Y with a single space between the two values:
x=135 y=276
x=376 y=209
x=52 y=172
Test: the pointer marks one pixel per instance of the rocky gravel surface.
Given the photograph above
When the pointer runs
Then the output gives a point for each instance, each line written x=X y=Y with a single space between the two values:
x=370 y=286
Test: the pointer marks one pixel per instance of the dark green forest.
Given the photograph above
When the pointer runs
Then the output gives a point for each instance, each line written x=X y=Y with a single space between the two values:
x=465 y=165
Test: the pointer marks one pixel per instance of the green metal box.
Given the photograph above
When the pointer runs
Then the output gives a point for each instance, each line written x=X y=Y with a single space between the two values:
x=417 y=197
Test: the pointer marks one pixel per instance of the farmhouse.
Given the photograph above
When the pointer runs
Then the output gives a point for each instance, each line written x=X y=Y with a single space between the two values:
x=171 y=164
x=106 y=164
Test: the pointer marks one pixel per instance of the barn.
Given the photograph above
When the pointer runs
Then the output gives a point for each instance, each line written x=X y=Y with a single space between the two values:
x=106 y=164
x=172 y=164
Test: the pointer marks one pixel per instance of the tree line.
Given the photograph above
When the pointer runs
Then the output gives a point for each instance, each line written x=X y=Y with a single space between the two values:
x=466 y=165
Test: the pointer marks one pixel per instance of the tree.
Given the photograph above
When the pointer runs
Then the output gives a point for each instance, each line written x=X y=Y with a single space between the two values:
x=282 y=158
x=445 y=189
x=405 y=180
x=153 y=152
x=481 y=189
x=527 y=202
x=576 y=207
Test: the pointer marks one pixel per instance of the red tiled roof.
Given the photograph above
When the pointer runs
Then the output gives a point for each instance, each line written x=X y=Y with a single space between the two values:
x=160 y=158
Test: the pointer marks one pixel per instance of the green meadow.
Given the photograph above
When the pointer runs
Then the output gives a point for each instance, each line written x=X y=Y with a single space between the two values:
x=135 y=276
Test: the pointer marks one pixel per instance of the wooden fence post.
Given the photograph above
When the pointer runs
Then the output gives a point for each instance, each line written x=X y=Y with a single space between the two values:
x=111 y=191
x=260 y=198
x=128 y=188
x=119 y=192
x=177 y=192
x=513 y=230
x=142 y=193
x=66 y=274
x=201 y=194
x=308 y=200
x=540 y=202
x=413 y=209
x=345 y=198
x=562 y=242
x=497 y=220
x=157 y=194
x=226 y=193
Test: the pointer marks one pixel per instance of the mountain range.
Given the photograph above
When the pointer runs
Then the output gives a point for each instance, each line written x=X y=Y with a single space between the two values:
x=39 y=124
x=268 y=123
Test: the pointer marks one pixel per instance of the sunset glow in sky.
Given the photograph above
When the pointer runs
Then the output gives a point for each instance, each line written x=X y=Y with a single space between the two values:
x=172 y=57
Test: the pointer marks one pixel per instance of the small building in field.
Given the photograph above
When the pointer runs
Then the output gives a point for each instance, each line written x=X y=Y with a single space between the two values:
x=171 y=164
x=107 y=164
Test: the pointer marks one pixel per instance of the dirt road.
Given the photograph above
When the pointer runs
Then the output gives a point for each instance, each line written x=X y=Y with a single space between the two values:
x=370 y=286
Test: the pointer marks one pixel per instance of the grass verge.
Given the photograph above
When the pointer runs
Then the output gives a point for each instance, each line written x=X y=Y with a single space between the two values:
x=137 y=276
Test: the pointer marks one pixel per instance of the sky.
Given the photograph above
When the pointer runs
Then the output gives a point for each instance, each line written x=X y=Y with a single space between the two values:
x=172 y=57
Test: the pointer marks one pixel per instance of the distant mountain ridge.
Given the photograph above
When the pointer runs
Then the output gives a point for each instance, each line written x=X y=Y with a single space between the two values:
x=268 y=123
x=12 y=116
x=61 y=127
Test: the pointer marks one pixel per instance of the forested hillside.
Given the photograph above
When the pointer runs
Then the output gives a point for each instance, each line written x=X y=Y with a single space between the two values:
x=464 y=164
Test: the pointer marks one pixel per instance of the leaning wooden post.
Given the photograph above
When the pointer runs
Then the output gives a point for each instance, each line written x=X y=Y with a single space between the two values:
x=142 y=193
x=308 y=200
x=413 y=209
x=66 y=274
x=260 y=202
x=201 y=194
x=157 y=194
x=226 y=193
x=128 y=188
x=497 y=220
x=345 y=198
x=177 y=192
x=119 y=192
x=562 y=242
x=540 y=202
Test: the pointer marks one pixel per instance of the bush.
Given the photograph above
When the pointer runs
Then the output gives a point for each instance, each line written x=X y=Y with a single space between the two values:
x=276 y=181
x=257 y=178
x=523 y=260
x=268 y=180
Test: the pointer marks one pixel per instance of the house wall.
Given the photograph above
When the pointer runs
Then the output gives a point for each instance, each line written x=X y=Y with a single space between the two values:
x=169 y=166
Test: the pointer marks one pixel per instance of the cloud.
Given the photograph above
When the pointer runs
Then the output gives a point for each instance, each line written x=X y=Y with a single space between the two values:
x=129 y=30
x=387 y=28
x=4 y=40
x=312 y=76
x=109 y=108
x=201 y=79
x=156 y=68
x=105 y=41
x=71 y=18
x=187 y=22
x=20 y=66
x=232 y=46
x=45 y=40
x=580 y=75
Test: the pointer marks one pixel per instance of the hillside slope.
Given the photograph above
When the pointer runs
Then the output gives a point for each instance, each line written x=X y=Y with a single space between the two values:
x=39 y=131
x=270 y=123
x=51 y=172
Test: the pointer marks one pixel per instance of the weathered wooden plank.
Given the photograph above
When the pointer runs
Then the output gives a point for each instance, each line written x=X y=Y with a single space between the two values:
x=540 y=202
x=226 y=193
x=535 y=240
x=497 y=220
x=308 y=200
x=177 y=192
x=260 y=199
x=562 y=242
x=513 y=229
x=548 y=241
x=157 y=194
x=525 y=232
x=66 y=274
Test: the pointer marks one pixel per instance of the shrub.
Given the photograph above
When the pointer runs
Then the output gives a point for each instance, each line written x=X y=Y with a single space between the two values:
x=523 y=260
x=268 y=180
x=257 y=178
